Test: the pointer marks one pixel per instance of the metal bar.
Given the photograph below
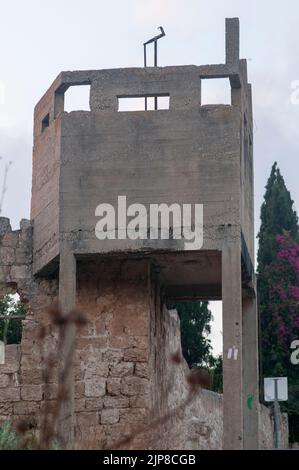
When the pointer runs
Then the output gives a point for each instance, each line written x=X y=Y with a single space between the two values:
x=155 y=38
x=155 y=64
x=144 y=54
x=5 y=331
x=276 y=415
x=11 y=317
x=145 y=64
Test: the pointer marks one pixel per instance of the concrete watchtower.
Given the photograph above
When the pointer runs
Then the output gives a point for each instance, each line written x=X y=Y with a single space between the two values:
x=188 y=154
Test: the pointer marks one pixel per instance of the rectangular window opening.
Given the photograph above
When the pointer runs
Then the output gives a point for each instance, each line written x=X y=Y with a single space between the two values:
x=143 y=103
x=215 y=91
x=46 y=122
x=76 y=98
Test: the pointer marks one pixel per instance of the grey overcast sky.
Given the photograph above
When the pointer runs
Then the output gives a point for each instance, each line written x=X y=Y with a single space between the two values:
x=39 y=39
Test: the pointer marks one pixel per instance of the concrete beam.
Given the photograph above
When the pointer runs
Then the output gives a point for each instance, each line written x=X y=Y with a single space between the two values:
x=250 y=373
x=194 y=292
x=232 y=40
x=67 y=300
x=232 y=346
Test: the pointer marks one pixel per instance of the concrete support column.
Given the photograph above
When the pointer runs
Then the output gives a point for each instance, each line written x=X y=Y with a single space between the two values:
x=232 y=346
x=232 y=40
x=250 y=373
x=67 y=301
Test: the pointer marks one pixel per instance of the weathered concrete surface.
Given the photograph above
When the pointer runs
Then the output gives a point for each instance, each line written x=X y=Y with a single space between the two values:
x=95 y=156
x=189 y=154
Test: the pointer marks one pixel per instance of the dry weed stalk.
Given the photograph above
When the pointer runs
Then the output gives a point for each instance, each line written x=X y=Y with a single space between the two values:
x=4 y=184
x=63 y=359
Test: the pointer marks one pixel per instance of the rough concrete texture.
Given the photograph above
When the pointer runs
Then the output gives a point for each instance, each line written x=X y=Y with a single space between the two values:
x=83 y=159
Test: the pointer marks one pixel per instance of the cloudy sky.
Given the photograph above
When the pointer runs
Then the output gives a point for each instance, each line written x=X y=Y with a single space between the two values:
x=39 y=39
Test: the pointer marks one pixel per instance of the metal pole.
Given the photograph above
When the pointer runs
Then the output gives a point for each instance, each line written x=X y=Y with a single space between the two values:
x=276 y=415
x=5 y=331
x=145 y=64
x=155 y=64
x=154 y=40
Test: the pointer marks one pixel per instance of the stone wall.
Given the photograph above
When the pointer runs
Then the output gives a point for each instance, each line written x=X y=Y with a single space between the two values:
x=124 y=375
x=10 y=396
x=197 y=425
x=200 y=424
x=22 y=370
x=112 y=351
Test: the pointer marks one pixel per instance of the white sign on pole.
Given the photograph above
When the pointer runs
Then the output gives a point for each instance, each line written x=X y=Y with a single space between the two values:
x=2 y=352
x=282 y=388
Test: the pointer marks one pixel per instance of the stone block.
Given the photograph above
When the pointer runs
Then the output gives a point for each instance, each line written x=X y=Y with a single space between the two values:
x=79 y=389
x=113 y=355
x=22 y=256
x=9 y=394
x=95 y=387
x=109 y=416
x=86 y=418
x=51 y=391
x=130 y=322
x=26 y=407
x=31 y=376
x=113 y=386
x=96 y=369
x=5 y=275
x=10 y=239
x=25 y=224
x=140 y=401
x=4 y=225
x=122 y=369
x=133 y=415
x=116 y=402
x=12 y=359
x=32 y=392
x=7 y=256
x=5 y=409
x=136 y=355
x=19 y=273
x=94 y=404
x=141 y=370
x=91 y=343
x=5 y=380
x=79 y=405
x=131 y=386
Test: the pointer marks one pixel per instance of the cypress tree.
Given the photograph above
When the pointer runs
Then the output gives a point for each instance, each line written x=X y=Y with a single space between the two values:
x=277 y=276
x=277 y=216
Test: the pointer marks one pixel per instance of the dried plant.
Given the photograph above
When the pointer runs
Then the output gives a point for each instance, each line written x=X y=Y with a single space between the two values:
x=4 y=183
x=63 y=358
x=49 y=435
x=196 y=379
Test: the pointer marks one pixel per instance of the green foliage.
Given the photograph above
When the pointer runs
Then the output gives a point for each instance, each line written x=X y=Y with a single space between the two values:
x=195 y=320
x=278 y=291
x=216 y=371
x=277 y=216
x=8 y=438
x=11 y=328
